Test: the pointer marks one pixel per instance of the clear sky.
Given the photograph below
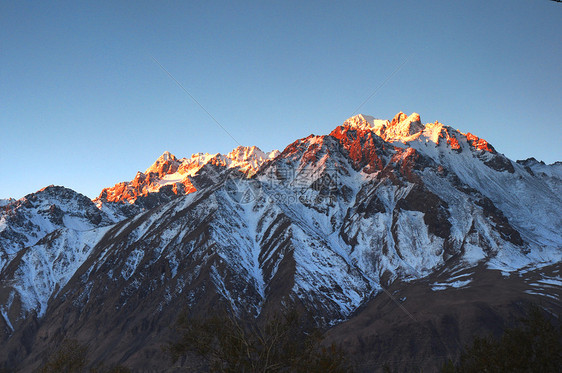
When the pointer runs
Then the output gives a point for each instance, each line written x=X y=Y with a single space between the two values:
x=83 y=104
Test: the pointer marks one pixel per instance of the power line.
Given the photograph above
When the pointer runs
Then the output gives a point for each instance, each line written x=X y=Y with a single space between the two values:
x=195 y=100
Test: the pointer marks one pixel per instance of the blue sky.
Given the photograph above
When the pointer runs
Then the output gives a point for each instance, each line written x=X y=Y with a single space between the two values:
x=84 y=105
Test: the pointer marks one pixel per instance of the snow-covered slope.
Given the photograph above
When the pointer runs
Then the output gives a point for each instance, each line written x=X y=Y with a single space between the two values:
x=553 y=170
x=42 y=270
x=548 y=173
x=327 y=223
x=26 y=221
x=530 y=204
x=6 y=201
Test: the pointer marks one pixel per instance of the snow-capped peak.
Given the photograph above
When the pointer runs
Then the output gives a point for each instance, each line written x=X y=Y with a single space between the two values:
x=6 y=201
x=360 y=119
x=329 y=222
x=242 y=153
x=166 y=162
x=272 y=154
x=166 y=156
x=168 y=170
x=365 y=121
x=407 y=128
x=403 y=119
x=400 y=128
x=249 y=158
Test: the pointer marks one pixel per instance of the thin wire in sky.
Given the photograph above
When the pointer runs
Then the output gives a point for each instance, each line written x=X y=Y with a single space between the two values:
x=382 y=85
x=195 y=100
x=355 y=112
x=229 y=134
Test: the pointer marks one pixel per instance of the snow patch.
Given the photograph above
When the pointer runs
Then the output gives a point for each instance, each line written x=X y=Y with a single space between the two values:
x=437 y=286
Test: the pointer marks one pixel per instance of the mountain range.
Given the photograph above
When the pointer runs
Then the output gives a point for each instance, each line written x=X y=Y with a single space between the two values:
x=403 y=239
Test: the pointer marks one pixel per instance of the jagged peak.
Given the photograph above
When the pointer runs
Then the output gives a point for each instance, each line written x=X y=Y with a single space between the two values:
x=6 y=201
x=167 y=156
x=201 y=158
x=272 y=154
x=401 y=127
x=530 y=161
x=244 y=152
x=363 y=120
x=414 y=117
x=404 y=128
x=398 y=118
x=402 y=119
x=55 y=189
x=169 y=170
x=360 y=118
x=52 y=186
x=165 y=164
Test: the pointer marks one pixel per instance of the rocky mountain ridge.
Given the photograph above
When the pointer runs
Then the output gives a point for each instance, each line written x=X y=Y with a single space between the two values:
x=178 y=174
x=329 y=223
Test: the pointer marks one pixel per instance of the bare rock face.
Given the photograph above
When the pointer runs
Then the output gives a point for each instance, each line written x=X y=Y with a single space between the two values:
x=362 y=146
x=329 y=223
